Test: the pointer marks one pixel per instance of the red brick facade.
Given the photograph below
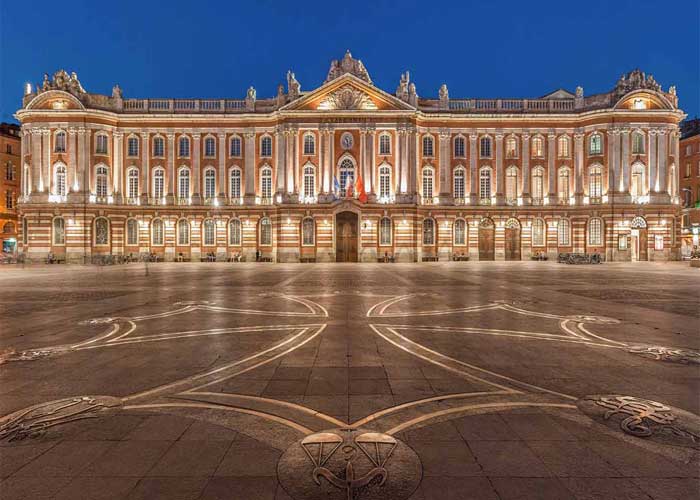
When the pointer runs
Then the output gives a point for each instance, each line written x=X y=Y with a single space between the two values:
x=10 y=161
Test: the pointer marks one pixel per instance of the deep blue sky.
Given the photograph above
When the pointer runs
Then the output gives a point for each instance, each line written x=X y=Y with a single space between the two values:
x=207 y=48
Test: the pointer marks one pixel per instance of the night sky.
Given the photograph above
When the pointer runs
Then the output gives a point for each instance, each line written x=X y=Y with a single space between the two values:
x=215 y=49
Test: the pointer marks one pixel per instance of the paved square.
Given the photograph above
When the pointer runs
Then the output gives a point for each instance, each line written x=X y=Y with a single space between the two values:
x=388 y=381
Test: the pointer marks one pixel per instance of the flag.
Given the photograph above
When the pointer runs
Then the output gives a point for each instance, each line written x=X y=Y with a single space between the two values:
x=348 y=189
x=336 y=185
x=360 y=189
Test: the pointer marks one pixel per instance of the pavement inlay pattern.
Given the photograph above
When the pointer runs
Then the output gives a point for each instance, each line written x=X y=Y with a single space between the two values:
x=348 y=382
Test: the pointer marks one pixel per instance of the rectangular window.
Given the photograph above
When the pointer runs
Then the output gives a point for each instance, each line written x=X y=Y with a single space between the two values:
x=101 y=145
x=622 y=242
x=658 y=242
x=235 y=147
x=133 y=146
x=158 y=147
x=9 y=199
x=485 y=147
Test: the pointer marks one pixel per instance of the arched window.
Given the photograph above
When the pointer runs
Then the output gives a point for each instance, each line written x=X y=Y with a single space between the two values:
x=266 y=182
x=101 y=181
x=427 y=146
x=537 y=185
x=132 y=232
x=458 y=181
x=564 y=233
x=537 y=147
x=460 y=147
x=637 y=180
x=132 y=146
x=101 y=144
x=9 y=227
x=428 y=232
x=347 y=175
x=595 y=232
x=511 y=185
x=133 y=183
x=563 y=184
x=101 y=231
x=60 y=142
x=158 y=182
x=234 y=232
x=384 y=181
x=427 y=184
x=157 y=234
x=637 y=143
x=183 y=232
x=309 y=181
x=209 y=183
x=595 y=183
x=266 y=147
x=563 y=146
x=460 y=232
x=235 y=184
x=209 y=147
x=485 y=184
x=60 y=180
x=308 y=231
x=158 y=147
x=309 y=144
x=485 y=147
x=235 y=147
x=184 y=147
x=209 y=230
x=511 y=147
x=638 y=223
x=385 y=144
x=59 y=231
x=595 y=144
x=385 y=231
x=265 y=231
x=538 y=233
x=184 y=184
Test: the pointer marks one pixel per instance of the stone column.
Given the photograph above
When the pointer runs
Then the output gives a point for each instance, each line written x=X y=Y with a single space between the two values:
x=473 y=171
x=610 y=163
x=578 y=167
x=145 y=164
x=171 y=168
x=362 y=167
x=280 y=150
x=371 y=167
x=37 y=180
x=87 y=166
x=525 y=152
x=625 y=164
x=82 y=162
x=551 y=168
x=46 y=160
x=249 y=138
x=73 y=183
x=295 y=155
x=500 y=174
x=222 y=167
x=197 y=169
x=662 y=178
x=331 y=156
x=413 y=155
x=652 y=161
x=617 y=175
x=403 y=140
x=397 y=155
x=444 y=164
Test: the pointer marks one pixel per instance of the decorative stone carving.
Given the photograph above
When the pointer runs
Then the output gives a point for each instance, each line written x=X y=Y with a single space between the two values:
x=644 y=418
x=579 y=91
x=402 y=89
x=634 y=80
x=293 y=86
x=347 y=65
x=347 y=97
x=444 y=97
x=342 y=464
x=117 y=92
x=62 y=81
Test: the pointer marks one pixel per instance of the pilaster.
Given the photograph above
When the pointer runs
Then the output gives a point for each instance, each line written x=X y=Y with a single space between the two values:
x=473 y=171
x=249 y=138
x=73 y=182
x=578 y=167
x=500 y=174
x=197 y=168
x=444 y=162
x=171 y=168
x=221 y=150
x=551 y=169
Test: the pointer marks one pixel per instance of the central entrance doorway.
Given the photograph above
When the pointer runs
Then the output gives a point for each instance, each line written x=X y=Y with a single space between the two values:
x=346 y=237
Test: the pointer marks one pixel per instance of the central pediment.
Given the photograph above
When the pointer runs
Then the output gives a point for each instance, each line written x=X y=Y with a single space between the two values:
x=347 y=93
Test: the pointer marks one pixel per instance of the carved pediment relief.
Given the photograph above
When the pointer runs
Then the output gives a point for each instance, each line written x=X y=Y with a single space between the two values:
x=347 y=98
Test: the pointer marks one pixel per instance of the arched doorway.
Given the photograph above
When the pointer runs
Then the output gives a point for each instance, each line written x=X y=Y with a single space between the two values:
x=487 y=243
x=512 y=239
x=639 y=239
x=346 y=237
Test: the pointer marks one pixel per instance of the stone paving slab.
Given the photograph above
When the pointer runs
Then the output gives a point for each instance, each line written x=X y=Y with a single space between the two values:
x=220 y=371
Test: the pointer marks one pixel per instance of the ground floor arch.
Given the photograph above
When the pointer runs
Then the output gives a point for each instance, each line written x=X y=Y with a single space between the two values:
x=346 y=236
x=487 y=240
x=512 y=240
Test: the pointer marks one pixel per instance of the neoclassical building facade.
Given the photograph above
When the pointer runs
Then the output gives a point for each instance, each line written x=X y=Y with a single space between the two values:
x=349 y=172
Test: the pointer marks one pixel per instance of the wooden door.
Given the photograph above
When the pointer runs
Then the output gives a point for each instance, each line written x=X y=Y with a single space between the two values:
x=643 y=249
x=487 y=243
x=512 y=243
x=346 y=237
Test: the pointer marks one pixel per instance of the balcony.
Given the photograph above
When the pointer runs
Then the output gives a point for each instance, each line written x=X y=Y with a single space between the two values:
x=538 y=201
x=264 y=200
x=157 y=201
x=235 y=201
x=484 y=201
x=595 y=200
x=563 y=200
x=183 y=201
x=511 y=202
x=460 y=200
x=133 y=200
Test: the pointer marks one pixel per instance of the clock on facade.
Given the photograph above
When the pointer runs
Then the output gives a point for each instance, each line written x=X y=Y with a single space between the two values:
x=346 y=140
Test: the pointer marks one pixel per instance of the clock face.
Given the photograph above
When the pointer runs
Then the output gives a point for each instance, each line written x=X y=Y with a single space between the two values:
x=346 y=140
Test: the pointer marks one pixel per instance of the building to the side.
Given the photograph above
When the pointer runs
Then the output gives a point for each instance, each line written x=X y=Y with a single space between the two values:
x=690 y=185
x=348 y=171
x=10 y=161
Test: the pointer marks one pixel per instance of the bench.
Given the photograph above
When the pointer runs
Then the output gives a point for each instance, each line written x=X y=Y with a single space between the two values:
x=307 y=260
x=460 y=258
x=55 y=259
x=265 y=259
x=430 y=258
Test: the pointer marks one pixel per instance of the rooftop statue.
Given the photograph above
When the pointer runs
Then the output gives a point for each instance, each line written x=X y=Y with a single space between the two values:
x=347 y=64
